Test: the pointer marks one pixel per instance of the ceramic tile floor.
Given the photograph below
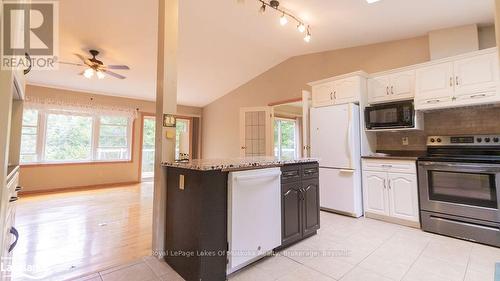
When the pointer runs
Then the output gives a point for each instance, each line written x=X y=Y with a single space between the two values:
x=350 y=249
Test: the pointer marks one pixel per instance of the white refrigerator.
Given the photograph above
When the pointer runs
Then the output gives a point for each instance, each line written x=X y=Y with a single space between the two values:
x=335 y=141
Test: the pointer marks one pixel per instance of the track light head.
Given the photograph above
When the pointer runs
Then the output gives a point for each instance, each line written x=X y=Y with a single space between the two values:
x=274 y=3
x=301 y=27
x=283 y=20
x=262 y=8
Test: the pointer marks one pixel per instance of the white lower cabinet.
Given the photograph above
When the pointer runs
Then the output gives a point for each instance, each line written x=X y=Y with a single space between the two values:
x=390 y=195
x=403 y=196
x=375 y=195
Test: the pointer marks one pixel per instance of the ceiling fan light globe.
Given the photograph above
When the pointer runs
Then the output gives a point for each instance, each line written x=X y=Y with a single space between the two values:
x=100 y=75
x=88 y=73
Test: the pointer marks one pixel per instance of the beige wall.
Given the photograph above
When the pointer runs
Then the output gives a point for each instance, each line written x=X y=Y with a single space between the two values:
x=36 y=178
x=288 y=79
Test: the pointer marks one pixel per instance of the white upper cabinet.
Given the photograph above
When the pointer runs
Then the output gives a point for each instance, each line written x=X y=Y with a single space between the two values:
x=403 y=85
x=378 y=89
x=461 y=81
x=476 y=74
x=434 y=84
x=322 y=94
x=347 y=90
x=392 y=87
x=337 y=91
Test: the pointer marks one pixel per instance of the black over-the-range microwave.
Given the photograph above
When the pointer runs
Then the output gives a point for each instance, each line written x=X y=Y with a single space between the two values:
x=391 y=116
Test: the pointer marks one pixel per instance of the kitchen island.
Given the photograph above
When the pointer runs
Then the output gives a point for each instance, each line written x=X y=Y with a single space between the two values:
x=222 y=215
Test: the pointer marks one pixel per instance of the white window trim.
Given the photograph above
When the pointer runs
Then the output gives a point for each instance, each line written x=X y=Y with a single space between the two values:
x=42 y=132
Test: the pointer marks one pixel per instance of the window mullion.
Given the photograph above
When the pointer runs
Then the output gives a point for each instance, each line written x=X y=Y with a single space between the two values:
x=95 y=137
x=42 y=136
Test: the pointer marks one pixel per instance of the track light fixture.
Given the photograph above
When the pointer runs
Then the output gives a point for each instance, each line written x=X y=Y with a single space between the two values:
x=285 y=16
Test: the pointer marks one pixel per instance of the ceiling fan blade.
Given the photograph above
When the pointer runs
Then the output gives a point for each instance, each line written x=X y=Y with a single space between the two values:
x=114 y=74
x=71 y=63
x=84 y=59
x=117 y=67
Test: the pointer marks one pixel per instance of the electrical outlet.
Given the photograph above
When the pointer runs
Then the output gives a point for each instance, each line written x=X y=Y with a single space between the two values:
x=405 y=141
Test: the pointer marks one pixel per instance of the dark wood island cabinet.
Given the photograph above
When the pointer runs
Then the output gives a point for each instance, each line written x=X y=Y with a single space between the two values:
x=299 y=202
x=196 y=242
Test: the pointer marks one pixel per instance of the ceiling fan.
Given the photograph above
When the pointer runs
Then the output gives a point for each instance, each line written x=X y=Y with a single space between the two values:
x=97 y=67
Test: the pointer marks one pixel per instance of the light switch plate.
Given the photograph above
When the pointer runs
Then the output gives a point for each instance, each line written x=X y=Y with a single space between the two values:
x=405 y=141
x=181 y=182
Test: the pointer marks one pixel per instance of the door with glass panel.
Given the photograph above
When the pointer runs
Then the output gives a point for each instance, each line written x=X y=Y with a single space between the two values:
x=256 y=132
x=183 y=139
x=148 y=147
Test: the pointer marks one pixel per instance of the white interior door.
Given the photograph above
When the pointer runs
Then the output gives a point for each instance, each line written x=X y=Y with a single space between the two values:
x=256 y=131
x=306 y=106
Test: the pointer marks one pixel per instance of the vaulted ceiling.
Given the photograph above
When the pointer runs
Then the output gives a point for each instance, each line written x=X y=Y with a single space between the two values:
x=225 y=43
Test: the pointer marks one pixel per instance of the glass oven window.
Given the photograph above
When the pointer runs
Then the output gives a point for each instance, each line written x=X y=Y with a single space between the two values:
x=474 y=189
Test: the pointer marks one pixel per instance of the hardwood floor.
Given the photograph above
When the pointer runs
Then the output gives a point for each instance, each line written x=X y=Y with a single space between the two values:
x=69 y=234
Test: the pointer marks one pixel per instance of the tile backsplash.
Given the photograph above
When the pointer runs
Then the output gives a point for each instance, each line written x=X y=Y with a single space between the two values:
x=467 y=120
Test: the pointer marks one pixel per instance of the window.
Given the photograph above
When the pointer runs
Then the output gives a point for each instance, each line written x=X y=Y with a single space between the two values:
x=29 y=136
x=65 y=137
x=68 y=138
x=113 y=138
x=285 y=138
x=182 y=139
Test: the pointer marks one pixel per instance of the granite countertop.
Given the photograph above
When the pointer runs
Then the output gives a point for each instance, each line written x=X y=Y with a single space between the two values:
x=397 y=155
x=235 y=164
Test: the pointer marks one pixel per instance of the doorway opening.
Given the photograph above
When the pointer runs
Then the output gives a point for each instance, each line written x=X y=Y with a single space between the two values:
x=148 y=147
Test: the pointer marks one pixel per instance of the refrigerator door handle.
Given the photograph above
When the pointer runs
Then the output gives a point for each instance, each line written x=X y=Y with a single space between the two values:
x=349 y=137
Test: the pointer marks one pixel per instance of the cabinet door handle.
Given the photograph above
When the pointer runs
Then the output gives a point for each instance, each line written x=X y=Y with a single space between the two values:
x=27 y=70
x=433 y=101
x=335 y=94
x=13 y=199
x=310 y=171
x=392 y=90
x=456 y=80
x=14 y=232
x=331 y=95
x=387 y=90
x=385 y=184
x=478 y=96
x=451 y=81
x=389 y=184
x=19 y=188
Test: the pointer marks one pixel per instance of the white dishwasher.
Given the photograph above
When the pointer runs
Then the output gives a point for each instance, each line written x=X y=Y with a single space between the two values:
x=254 y=215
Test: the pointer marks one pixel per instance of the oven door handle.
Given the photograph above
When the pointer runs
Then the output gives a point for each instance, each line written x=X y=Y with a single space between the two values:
x=476 y=167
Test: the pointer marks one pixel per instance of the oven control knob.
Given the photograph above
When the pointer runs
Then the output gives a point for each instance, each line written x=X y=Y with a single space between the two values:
x=496 y=139
x=479 y=140
x=438 y=140
x=433 y=140
x=487 y=139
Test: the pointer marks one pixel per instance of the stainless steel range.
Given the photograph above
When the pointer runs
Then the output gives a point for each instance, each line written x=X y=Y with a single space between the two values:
x=459 y=187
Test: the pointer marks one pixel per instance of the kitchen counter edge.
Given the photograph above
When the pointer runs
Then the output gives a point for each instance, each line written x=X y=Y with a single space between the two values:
x=228 y=166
